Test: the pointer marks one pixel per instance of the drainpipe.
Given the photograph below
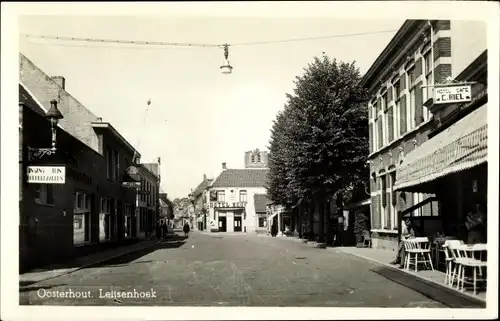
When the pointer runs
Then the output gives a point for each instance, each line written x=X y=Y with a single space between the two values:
x=432 y=50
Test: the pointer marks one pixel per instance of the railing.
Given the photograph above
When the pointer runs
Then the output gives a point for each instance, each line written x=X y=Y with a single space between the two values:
x=227 y=204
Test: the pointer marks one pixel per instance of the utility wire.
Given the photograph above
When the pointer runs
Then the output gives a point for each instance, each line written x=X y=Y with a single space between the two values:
x=204 y=45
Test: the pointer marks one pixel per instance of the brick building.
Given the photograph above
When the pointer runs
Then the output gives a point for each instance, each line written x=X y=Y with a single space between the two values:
x=199 y=198
x=90 y=211
x=422 y=53
x=149 y=197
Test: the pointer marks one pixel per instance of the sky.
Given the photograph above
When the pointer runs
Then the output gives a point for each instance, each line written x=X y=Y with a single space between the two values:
x=198 y=117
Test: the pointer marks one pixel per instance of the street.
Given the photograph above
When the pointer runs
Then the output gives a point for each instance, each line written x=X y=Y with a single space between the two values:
x=228 y=270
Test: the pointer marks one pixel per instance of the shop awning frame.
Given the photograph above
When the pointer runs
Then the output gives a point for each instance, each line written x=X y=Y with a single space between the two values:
x=462 y=146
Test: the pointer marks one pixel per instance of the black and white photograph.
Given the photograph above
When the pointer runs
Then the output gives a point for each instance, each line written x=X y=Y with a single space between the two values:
x=286 y=159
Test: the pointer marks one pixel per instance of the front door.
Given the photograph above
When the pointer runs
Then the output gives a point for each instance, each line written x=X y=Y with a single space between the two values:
x=222 y=224
x=237 y=223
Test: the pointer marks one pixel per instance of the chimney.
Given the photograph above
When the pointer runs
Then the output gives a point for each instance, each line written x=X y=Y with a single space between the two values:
x=204 y=177
x=60 y=80
x=99 y=119
x=224 y=166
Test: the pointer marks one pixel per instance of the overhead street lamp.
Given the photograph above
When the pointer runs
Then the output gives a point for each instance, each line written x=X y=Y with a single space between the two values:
x=226 y=68
x=53 y=115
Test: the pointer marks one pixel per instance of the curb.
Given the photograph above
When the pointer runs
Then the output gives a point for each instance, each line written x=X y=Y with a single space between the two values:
x=423 y=279
x=92 y=264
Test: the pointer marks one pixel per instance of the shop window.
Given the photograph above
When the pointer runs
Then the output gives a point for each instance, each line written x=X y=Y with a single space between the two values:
x=105 y=221
x=81 y=218
x=44 y=194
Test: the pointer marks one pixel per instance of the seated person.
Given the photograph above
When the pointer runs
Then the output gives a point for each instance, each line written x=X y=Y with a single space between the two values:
x=408 y=231
x=476 y=224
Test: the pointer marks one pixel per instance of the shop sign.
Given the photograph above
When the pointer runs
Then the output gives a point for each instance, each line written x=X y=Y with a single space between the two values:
x=46 y=174
x=452 y=94
x=131 y=184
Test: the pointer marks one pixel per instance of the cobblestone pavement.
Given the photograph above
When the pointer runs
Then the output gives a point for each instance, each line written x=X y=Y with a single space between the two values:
x=231 y=270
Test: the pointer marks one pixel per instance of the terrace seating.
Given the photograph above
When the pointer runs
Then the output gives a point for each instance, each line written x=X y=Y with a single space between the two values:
x=417 y=248
x=464 y=259
x=448 y=247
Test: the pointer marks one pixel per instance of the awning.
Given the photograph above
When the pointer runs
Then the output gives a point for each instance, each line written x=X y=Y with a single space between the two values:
x=461 y=146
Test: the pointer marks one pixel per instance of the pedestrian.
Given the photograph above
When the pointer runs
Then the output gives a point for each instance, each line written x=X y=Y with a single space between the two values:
x=476 y=224
x=274 y=229
x=186 y=230
x=158 y=229
x=409 y=231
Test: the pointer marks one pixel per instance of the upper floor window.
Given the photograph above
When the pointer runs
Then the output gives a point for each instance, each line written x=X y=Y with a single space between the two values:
x=253 y=158
x=258 y=158
x=116 y=165
x=243 y=196
x=410 y=120
x=221 y=196
x=109 y=162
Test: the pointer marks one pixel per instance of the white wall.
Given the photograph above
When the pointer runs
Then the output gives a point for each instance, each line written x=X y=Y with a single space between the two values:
x=251 y=221
x=468 y=41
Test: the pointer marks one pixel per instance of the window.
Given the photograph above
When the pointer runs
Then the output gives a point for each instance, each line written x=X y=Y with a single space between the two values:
x=427 y=92
x=253 y=158
x=44 y=194
x=380 y=132
x=383 y=101
x=116 y=165
x=411 y=106
x=383 y=203
x=394 y=222
x=258 y=158
x=109 y=162
x=262 y=221
x=105 y=219
x=243 y=196
x=221 y=197
x=81 y=218
x=128 y=220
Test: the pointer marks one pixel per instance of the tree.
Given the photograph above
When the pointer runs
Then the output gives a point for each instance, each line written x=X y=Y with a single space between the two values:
x=321 y=138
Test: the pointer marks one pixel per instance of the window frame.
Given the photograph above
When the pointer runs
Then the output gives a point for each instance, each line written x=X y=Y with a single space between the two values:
x=243 y=193
x=221 y=196
x=44 y=194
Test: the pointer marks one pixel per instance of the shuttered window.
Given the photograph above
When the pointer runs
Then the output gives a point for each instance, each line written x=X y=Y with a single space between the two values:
x=402 y=116
x=370 y=137
x=388 y=213
x=380 y=132
x=390 y=124
x=419 y=111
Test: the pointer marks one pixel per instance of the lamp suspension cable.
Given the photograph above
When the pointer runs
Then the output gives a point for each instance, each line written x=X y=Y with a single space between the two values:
x=196 y=45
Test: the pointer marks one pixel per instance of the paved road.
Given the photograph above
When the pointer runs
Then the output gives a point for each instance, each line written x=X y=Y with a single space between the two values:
x=231 y=270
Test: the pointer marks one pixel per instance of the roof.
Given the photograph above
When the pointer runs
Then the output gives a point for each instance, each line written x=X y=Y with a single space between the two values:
x=461 y=146
x=27 y=99
x=388 y=56
x=115 y=133
x=248 y=177
x=201 y=187
x=260 y=202
x=152 y=167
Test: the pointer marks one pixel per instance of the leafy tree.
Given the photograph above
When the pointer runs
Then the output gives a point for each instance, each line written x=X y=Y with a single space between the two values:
x=321 y=139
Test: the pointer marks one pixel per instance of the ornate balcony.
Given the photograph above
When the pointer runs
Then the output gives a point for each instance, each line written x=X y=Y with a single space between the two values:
x=227 y=204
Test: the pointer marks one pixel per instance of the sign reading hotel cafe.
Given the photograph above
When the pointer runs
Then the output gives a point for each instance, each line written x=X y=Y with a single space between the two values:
x=452 y=94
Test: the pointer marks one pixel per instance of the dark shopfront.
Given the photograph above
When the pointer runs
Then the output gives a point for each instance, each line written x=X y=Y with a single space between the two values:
x=453 y=166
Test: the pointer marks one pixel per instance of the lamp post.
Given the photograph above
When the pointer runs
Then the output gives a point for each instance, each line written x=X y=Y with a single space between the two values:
x=53 y=115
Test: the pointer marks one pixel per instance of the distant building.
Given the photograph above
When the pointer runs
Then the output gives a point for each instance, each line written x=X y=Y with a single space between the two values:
x=256 y=159
x=149 y=197
x=199 y=199
x=231 y=200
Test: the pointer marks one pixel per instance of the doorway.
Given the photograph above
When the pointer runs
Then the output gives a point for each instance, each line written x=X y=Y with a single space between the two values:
x=222 y=224
x=237 y=223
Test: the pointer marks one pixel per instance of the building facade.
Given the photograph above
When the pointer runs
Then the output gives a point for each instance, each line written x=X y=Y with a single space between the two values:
x=92 y=209
x=148 y=198
x=199 y=198
x=231 y=200
x=420 y=55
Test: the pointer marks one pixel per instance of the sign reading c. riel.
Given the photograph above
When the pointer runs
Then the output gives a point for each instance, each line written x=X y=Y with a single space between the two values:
x=46 y=174
x=452 y=94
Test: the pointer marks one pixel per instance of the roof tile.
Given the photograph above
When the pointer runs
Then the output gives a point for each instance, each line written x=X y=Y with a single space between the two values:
x=242 y=178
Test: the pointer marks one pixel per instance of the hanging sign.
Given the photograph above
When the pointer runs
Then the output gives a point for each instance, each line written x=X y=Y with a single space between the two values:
x=46 y=174
x=452 y=94
x=131 y=184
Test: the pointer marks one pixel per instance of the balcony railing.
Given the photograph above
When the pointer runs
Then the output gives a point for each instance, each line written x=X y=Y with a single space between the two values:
x=227 y=204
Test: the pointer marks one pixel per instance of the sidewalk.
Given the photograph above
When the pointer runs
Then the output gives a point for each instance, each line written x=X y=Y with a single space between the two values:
x=56 y=270
x=384 y=257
